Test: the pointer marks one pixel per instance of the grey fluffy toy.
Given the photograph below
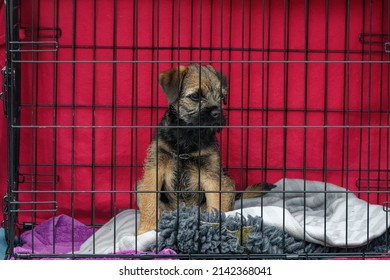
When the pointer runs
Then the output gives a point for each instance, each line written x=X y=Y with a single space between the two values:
x=192 y=231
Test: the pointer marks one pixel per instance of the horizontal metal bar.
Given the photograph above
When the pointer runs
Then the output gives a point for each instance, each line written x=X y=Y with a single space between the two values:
x=346 y=191
x=33 y=203
x=206 y=256
x=372 y=38
x=219 y=49
x=50 y=46
x=230 y=167
x=33 y=211
x=227 y=109
x=24 y=175
x=205 y=61
x=202 y=127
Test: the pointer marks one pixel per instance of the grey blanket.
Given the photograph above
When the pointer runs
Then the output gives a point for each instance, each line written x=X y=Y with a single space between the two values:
x=190 y=231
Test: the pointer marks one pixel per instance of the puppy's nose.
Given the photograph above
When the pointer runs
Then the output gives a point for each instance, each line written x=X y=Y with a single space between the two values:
x=215 y=113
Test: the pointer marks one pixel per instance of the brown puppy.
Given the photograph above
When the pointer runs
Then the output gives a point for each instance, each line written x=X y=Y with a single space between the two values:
x=183 y=163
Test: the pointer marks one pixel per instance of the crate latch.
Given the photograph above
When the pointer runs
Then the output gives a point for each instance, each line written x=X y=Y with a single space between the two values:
x=386 y=206
x=387 y=47
x=7 y=78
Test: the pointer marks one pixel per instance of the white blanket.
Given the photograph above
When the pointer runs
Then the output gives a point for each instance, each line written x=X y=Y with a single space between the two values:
x=314 y=211
x=318 y=212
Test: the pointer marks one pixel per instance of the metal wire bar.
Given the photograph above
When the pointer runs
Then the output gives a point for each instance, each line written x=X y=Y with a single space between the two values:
x=203 y=61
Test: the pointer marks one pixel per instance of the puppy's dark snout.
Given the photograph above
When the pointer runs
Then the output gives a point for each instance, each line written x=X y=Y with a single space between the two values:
x=216 y=113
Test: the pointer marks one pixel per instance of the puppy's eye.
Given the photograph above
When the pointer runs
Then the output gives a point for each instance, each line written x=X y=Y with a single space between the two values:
x=195 y=96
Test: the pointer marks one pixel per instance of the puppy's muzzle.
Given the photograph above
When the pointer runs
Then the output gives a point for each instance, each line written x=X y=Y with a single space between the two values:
x=216 y=113
x=213 y=116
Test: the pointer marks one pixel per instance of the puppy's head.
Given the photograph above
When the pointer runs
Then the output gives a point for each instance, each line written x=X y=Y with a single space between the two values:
x=195 y=94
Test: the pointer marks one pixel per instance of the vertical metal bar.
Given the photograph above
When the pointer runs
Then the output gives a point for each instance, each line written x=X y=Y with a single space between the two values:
x=157 y=98
x=152 y=99
x=34 y=116
x=12 y=104
x=132 y=133
x=305 y=75
x=325 y=137
x=242 y=108
x=113 y=120
x=136 y=27
x=135 y=93
x=229 y=75
x=199 y=108
x=220 y=103
x=93 y=154
x=369 y=122
x=211 y=30
x=362 y=96
x=265 y=87
x=249 y=95
x=55 y=11
x=286 y=13
x=346 y=109
x=387 y=123
x=192 y=29
x=153 y=74
x=242 y=95
x=264 y=106
x=382 y=102
x=178 y=123
x=74 y=22
x=33 y=122
x=173 y=33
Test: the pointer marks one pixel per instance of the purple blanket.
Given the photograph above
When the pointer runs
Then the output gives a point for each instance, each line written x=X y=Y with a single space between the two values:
x=62 y=235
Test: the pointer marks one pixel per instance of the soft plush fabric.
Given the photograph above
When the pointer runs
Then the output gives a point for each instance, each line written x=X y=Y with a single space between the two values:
x=60 y=234
x=318 y=212
x=118 y=234
x=64 y=235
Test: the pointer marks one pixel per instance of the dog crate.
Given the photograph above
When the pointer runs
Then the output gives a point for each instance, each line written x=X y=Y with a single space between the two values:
x=308 y=110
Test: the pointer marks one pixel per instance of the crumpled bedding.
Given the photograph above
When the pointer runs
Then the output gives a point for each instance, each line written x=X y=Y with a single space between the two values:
x=65 y=235
x=318 y=213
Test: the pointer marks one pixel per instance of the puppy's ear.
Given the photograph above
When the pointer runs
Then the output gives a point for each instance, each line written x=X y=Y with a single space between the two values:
x=219 y=74
x=171 y=82
x=221 y=77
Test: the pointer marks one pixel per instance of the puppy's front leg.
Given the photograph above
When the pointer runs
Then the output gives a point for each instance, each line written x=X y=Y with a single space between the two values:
x=147 y=199
x=219 y=193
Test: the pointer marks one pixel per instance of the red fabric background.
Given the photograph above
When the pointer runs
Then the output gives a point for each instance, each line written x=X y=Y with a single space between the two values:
x=293 y=94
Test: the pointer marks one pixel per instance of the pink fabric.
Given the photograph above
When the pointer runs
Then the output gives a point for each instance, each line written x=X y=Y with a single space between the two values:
x=263 y=154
